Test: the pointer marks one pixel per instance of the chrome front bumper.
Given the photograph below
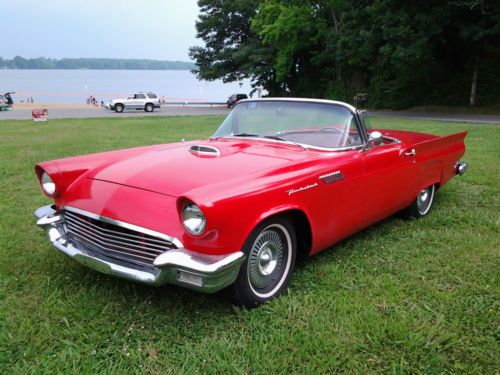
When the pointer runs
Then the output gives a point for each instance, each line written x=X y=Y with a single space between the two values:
x=205 y=273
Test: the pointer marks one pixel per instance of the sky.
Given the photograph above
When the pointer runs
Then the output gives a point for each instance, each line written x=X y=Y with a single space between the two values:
x=131 y=29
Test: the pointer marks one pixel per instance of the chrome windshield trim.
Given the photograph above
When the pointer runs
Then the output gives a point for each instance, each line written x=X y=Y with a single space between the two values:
x=349 y=107
x=122 y=224
x=306 y=100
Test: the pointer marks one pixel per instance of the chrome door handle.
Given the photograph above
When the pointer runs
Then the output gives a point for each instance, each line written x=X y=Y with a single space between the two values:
x=412 y=152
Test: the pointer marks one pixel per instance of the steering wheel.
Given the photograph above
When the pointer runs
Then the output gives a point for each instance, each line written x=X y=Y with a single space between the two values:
x=323 y=130
x=343 y=140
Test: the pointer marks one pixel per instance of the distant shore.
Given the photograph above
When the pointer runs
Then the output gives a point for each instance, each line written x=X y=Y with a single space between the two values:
x=94 y=64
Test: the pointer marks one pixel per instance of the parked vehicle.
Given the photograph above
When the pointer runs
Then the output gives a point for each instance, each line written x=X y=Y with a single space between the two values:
x=146 y=101
x=280 y=177
x=235 y=98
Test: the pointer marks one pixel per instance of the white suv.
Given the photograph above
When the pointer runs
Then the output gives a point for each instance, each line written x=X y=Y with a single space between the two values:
x=143 y=100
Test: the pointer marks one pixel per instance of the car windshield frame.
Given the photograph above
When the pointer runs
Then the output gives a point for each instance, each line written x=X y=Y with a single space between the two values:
x=277 y=136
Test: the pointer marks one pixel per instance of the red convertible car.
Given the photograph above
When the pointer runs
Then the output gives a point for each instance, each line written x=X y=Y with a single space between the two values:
x=280 y=177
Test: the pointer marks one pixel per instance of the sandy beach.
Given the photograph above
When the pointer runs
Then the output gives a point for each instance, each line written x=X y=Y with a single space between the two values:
x=30 y=106
x=22 y=111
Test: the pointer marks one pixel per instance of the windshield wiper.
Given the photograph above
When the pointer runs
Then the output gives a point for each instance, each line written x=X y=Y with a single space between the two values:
x=235 y=135
x=277 y=137
x=245 y=135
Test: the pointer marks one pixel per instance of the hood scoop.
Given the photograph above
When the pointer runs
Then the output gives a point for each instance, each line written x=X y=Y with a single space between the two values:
x=203 y=150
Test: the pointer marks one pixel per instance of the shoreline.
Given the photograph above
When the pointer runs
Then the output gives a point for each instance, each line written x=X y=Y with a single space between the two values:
x=54 y=106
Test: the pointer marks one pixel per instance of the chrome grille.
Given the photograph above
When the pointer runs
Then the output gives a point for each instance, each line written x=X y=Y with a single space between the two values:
x=114 y=241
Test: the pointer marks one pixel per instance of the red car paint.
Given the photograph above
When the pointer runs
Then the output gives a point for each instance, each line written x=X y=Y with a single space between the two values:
x=251 y=180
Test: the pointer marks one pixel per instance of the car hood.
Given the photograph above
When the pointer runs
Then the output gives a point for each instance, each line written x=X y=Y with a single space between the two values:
x=179 y=168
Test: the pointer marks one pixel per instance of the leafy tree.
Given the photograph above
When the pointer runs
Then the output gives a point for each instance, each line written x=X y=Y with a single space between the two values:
x=233 y=51
x=402 y=53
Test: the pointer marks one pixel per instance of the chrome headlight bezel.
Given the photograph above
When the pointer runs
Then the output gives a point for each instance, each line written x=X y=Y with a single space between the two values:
x=48 y=185
x=193 y=219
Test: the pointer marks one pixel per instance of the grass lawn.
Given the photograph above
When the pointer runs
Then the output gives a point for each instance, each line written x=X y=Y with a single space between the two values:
x=418 y=296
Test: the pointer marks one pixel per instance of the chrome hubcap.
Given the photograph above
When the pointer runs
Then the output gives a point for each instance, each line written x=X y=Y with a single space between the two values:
x=424 y=199
x=265 y=261
x=268 y=258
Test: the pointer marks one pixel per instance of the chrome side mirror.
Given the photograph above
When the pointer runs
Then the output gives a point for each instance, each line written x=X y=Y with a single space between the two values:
x=374 y=139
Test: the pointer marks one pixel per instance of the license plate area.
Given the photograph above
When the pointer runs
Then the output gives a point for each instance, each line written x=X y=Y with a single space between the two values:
x=93 y=263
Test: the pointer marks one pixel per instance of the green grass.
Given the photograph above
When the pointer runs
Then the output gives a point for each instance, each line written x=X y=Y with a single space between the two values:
x=416 y=296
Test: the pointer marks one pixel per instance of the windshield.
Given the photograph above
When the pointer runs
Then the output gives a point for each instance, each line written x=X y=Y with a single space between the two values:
x=308 y=123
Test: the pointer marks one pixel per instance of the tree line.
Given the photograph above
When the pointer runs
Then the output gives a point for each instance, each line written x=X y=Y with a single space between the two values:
x=19 y=62
x=401 y=53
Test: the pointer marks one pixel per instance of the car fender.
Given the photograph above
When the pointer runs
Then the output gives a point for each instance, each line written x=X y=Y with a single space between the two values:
x=261 y=215
x=430 y=174
x=231 y=220
x=437 y=158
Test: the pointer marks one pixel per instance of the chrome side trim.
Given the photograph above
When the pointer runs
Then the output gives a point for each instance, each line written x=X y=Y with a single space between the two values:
x=392 y=139
x=329 y=178
x=136 y=228
x=186 y=268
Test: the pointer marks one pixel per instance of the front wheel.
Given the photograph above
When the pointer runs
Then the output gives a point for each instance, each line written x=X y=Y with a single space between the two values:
x=422 y=204
x=270 y=259
x=119 y=107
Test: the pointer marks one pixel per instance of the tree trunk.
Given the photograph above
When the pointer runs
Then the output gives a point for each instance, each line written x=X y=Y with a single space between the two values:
x=338 y=68
x=473 y=89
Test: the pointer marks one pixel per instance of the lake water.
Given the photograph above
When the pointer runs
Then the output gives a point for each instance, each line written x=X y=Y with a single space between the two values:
x=75 y=86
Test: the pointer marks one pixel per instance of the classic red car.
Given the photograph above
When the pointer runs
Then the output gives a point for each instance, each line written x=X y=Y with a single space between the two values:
x=278 y=178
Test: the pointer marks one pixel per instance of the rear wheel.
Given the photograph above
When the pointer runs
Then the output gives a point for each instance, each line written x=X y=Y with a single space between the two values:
x=270 y=259
x=119 y=107
x=149 y=107
x=422 y=204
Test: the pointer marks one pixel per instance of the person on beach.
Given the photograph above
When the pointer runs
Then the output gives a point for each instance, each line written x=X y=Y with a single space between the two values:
x=8 y=99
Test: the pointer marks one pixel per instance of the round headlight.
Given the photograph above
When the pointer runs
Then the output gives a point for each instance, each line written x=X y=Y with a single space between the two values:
x=47 y=184
x=193 y=219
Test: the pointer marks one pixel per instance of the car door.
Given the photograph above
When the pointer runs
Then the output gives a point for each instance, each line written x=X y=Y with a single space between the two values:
x=389 y=179
x=338 y=197
x=140 y=101
x=130 y=101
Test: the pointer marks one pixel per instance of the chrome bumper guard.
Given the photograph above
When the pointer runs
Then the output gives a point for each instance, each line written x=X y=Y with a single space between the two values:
x=461 y=167
x=205 y=273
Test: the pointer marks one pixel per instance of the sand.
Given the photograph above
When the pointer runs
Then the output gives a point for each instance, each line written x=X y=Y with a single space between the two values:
x=54 y=106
